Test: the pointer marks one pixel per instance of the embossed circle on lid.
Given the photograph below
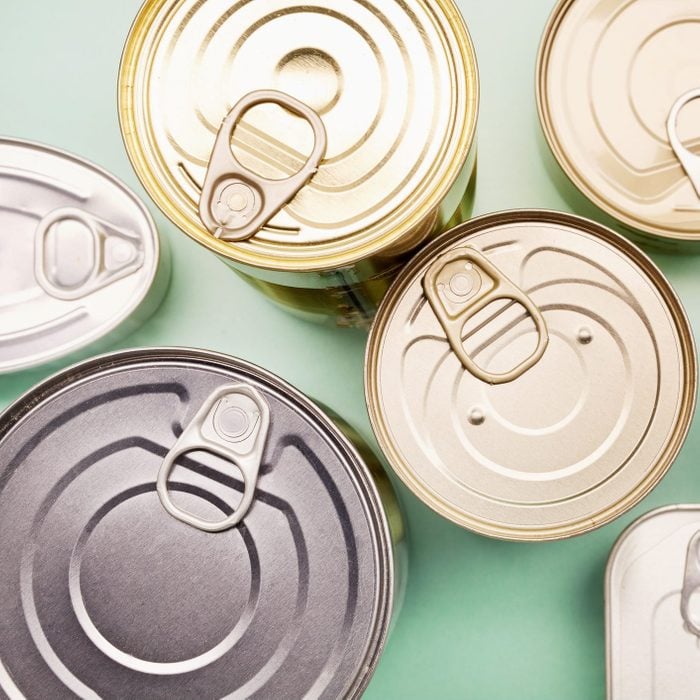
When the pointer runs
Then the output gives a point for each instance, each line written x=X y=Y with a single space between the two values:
x=609 y=73
x=571 y=442
x=394 y=83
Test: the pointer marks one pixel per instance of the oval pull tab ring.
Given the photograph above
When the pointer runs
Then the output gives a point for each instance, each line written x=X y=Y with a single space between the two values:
x=463 y=282
x=232 y=424
x=76 y=254
x=235 y=202
x=689 y=161
x=691 y=584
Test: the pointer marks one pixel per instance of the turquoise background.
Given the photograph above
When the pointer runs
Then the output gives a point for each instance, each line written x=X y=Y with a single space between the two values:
x=482 y=619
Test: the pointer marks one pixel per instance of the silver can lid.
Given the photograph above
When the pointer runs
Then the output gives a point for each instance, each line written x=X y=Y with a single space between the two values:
x=104 y=592
x=653 y=607
x=80 y=253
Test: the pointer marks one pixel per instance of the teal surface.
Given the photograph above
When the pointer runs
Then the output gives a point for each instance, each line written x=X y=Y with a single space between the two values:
x=481 y=619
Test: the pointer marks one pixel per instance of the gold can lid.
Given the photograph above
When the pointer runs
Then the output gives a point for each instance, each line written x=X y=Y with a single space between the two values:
x=617 y=93
x=394 y=83
x=531 y=375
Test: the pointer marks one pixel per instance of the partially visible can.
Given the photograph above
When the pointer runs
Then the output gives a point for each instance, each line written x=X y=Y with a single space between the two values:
x=652 y=591
x=531 y=375
x=81 y=260
x=310 y=145
x=617 y=90
x=177 y=523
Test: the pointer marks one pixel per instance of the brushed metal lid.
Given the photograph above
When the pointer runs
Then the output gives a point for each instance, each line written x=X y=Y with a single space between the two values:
x=609 y=75
x=583 y=386
x=79 y=254
x=652 y=612
x=104 y=593
x=394 y=83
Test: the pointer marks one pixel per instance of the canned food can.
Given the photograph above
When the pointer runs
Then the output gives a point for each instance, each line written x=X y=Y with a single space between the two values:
x=652 y=614
x=531 y=375
x=617 y=91
x=176 y=523
x=82 y=261
x=311 y=146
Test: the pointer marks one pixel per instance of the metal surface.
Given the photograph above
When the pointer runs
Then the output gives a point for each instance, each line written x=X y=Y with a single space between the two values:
x=651 y=593
x=79 y=254
x=581 y=436
x=394 y=83
x=609 y=75
x=236 y=202
x=104 y=594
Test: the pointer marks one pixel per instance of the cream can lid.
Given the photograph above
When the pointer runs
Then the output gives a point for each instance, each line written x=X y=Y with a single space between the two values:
x=531 y=375
x=618 y=88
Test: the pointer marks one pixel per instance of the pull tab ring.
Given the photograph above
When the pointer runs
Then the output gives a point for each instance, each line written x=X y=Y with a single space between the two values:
x=691 y=583
x=689 y=161
x=461 y=283
x=232 y=424
x=115 y=254
x=235 y=202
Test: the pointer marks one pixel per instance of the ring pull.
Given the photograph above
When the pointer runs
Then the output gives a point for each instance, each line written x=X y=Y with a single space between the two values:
x=691 y=583
x=688 y=159
x=461 y=283
x=75 y=253
x=235 y=202
x=232 y=424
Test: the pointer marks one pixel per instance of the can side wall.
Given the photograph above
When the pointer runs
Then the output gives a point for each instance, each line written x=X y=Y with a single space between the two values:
x=350 y=297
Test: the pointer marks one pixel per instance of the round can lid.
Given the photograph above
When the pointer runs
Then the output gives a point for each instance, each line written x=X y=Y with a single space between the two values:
x=395 y=86
x=617 y=88
x=531 y=375
x=80 y=253
x=101 y=588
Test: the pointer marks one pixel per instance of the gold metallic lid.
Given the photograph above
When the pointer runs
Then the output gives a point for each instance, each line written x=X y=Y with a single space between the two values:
x=617 y=94
x=531 y=375
x=394 y=82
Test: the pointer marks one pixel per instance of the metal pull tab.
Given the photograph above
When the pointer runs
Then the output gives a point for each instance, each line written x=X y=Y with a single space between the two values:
x=691 y=584
x=461 y=283
x=689 y=161
x=236 y=202
x=232 y=424
x=76 y=254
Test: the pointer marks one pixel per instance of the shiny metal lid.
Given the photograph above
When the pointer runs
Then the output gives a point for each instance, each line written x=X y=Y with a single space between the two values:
x=394 y=84
x=104 y=592
x=530 y=375
x=653 y=607
x=79 y=254
x=617 y=92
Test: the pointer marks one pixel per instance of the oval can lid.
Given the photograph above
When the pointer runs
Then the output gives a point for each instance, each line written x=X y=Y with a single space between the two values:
x=609 y=76
x=562 y=426
x=80 y=253
x=101 y=588
x=395 y=85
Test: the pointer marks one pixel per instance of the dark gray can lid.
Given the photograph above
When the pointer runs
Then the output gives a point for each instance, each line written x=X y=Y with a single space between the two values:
x=104 y=594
